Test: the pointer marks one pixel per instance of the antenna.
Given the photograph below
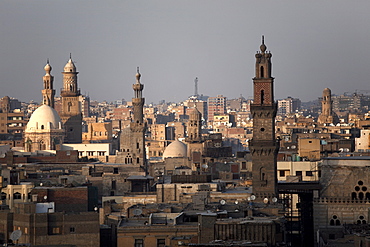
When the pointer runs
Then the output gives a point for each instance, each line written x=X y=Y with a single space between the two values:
x=196 y=86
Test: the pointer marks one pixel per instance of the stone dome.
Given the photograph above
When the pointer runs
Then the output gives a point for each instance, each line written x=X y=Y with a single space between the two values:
x=47 y=68
x=176 y=149
x=70 y=66
x=44 y=118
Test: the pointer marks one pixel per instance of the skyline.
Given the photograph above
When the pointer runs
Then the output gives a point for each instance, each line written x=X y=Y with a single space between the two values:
x=314 y=45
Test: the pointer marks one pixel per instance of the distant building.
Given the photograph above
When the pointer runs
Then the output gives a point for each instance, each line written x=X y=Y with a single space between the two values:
x=216 y=105
x=288 y=106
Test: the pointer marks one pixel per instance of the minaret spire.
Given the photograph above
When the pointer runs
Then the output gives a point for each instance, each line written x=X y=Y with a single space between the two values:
x=48 y=91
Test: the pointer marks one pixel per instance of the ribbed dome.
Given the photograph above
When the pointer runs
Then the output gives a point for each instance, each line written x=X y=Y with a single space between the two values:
x=70 y=66
x=44 y=118
x=176 y=149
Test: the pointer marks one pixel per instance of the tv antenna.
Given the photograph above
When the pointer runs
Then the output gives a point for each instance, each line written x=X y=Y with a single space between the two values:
x=196 y=86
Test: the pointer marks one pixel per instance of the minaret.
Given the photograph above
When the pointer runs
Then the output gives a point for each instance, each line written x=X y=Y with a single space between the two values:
x=138 y=100
x=137 y=126
x=327 y=115
x=264 y=147
x=48 y=92
x=71 y=110
x=194 y=126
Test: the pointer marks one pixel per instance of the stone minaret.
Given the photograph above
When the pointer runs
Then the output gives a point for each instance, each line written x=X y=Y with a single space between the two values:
x=194 y=126
x=264 y=147
x=136 y=139
x=71 y=110
x=327 y=115
x=48 y=92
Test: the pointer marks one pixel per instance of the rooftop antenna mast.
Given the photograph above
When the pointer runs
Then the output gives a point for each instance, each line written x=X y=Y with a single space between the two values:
x=196 y=86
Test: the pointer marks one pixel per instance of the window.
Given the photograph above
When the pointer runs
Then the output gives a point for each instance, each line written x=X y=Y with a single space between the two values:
x=298 y=173
x=282 y=173
x=17 y=195
x=56 y=230
x=72 y=230
x=161 y=242
x=139 y=243
x=115 y=170
x=309 y=173
x=113 y=185
x=244 y=165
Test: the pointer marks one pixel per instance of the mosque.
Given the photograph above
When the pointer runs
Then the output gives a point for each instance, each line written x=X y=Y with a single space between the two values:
x=46 y=130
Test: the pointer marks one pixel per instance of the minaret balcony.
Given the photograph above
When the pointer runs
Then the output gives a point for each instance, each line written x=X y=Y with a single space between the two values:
x=68 y=93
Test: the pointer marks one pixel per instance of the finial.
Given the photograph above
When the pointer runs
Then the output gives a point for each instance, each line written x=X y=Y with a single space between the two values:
x=70 y=55
x=47 y=61
x=263 y=47
x=138 y=75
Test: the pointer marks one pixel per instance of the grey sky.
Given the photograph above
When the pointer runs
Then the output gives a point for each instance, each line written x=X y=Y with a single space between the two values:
x=315 y=44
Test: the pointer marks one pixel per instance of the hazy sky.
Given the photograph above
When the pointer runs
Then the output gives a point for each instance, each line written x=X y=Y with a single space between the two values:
x=315 y=44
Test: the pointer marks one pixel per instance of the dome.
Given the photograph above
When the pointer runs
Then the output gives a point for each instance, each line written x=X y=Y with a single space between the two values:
x=70 y=66
x=47 y=68
x=44 y=118
x=176 y=149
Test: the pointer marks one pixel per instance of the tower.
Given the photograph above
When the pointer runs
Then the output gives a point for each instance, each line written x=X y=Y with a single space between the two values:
x=327 y=115
x=264 y=147
x=194 y=126
x=48 y=92
x=132 y=140
x=71 y=110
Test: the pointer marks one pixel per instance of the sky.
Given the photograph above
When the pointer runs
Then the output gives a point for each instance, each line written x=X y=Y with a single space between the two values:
x=315 y=44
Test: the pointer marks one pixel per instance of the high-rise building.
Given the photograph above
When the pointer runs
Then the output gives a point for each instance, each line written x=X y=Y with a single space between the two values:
x=216 y=105
x=264 y=147
x=288 y=105
x=71 y=107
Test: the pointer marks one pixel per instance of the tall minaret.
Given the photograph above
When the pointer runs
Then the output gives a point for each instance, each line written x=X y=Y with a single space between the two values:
x=138 y=126
x=327 y=115
x=138 y=100
x=48 y=92
x=71 y=110
x=194 y=126
x=264 y=147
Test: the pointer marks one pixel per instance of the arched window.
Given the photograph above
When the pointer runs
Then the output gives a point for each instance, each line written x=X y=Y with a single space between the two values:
x=262 y=96
x=262 y=72
x=354 y=196
x=17 y=195
x=69 y=106
x=262 y=174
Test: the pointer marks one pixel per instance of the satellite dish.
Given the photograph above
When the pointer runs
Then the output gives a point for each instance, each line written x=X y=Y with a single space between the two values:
x=249 y=198
x=274 y=200
x=45 y=197
x=293 y=147
x=15 y=235
x=265 y=200
x=137 y=211
x=222 y=202
x=236 y=202
x=253 y=197
x=205 y=166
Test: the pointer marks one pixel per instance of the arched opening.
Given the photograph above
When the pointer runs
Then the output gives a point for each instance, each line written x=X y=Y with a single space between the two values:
x=354 y=196
x=361 y=196
x=17 y=195
x=262 y=72
x=262 y=97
